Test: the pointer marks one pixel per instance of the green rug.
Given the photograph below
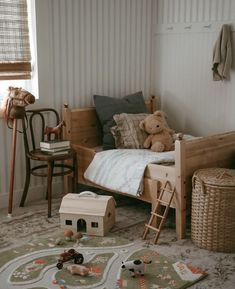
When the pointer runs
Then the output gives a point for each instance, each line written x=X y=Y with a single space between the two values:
x=161 y=273
x=33 y=266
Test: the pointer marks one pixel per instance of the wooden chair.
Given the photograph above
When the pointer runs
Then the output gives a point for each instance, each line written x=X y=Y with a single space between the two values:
x=35 y=126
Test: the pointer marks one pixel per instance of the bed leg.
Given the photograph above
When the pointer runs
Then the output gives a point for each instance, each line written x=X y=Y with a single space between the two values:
x=180 y=215
x=180 y=185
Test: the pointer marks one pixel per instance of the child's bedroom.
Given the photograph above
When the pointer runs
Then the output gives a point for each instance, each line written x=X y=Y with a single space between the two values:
x=117 y=147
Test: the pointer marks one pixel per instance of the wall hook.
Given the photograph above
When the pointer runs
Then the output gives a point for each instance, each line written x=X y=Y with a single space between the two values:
x=207 y=26
x=188 y=27
x=170 y=28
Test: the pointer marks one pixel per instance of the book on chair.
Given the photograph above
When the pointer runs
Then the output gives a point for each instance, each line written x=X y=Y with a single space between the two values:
x=54 y=150
x=56 y=153
x=55 y=144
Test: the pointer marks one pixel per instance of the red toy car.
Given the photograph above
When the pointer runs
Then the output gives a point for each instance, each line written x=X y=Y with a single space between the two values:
x=71 y=254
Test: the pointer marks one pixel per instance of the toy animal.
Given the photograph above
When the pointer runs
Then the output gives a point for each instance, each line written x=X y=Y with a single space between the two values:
x=135 y=266
x=54 y=130
x=78 y=270
x=13 y=105
x=160 y=136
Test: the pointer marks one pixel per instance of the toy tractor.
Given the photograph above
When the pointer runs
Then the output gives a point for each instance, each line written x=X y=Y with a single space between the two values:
x=71 y=254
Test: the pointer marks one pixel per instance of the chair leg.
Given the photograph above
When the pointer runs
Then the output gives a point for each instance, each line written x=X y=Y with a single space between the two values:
x=75 y=173
x=49 y=186
x=26 y=184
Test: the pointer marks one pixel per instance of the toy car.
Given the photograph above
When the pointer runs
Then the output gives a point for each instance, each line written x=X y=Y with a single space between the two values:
x=71 y=254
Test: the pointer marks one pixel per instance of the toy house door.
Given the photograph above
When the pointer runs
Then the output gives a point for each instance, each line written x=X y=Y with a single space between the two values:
x=81 y=225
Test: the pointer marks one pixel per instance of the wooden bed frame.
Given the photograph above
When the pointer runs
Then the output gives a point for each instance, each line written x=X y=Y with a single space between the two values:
x=82 y=128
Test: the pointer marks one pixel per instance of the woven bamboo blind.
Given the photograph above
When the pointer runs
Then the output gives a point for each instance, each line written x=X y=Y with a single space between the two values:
x=15 y=56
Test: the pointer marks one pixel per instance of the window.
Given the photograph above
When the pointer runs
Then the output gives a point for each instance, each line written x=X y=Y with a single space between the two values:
x=15 y=54
x=94 y=225
x=68 y=222
x=18 y=65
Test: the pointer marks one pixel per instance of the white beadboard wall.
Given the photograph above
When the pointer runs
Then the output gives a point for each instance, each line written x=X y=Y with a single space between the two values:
x=116 y=47
x=84 y=47
x=184 y=35
x=99 y=47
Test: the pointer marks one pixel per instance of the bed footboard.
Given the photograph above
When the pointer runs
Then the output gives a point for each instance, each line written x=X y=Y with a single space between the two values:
x=212 y=151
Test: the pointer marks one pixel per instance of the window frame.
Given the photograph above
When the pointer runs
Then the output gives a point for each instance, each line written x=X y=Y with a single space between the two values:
x=32 y=83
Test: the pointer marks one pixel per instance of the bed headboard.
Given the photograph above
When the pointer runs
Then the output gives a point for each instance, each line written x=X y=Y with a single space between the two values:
x=82 y=125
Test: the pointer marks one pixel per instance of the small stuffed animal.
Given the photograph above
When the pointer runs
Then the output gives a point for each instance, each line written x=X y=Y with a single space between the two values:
x=78 y=270
x=160 y=136
x=135 y=266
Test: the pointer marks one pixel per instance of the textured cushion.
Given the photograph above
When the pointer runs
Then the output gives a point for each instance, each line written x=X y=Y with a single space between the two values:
x=127 y=133
x=107 y=107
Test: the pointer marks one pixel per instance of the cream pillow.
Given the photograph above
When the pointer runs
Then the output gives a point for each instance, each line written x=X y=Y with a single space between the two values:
x=127 y=133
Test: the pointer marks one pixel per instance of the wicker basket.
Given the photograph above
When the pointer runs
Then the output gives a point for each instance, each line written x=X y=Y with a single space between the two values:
x=213 y=209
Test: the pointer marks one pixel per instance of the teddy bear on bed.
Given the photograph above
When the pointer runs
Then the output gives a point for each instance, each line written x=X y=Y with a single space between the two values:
x=160 y=136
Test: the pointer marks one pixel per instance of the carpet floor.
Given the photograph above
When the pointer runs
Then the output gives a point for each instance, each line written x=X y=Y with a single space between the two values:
x=31 y=222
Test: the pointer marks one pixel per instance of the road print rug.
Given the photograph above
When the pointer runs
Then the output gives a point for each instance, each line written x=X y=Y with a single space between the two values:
x=161 y=273
x=33 y=265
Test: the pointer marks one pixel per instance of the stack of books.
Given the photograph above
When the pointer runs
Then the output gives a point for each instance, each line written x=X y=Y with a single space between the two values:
x=55 y=147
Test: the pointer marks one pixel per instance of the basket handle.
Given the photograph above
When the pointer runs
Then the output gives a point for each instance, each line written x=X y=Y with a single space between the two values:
x=224 y=174
x=201 y=183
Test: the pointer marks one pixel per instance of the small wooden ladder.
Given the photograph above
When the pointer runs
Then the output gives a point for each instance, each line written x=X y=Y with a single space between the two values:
x=160 y=219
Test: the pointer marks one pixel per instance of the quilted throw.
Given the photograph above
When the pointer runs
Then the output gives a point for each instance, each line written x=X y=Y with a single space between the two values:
x=122 y=170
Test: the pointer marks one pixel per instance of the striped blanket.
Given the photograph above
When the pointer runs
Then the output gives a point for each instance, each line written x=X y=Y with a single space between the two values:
x=122 y=170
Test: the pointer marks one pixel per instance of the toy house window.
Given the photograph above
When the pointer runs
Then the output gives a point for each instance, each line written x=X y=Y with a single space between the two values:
x=68 y=222
x=94 y=225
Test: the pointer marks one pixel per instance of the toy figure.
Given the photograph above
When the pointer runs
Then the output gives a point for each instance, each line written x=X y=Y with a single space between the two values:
x=71 y=254
x=135 y=266
x=78 y=270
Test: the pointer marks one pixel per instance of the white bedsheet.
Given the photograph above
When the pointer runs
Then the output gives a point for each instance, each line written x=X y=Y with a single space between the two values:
x=122 y=170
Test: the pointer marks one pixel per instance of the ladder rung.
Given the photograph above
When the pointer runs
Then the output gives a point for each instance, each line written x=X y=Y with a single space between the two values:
x=162 y=217
x=168 y=191
x=162 y=202
x=152 y=228
x=157 y=215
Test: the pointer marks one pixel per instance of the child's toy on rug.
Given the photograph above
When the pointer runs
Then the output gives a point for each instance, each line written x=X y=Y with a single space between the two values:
x=68 y=234
x=77 y=237
x=160 y=136
x=61 y=283
x=87 y=213
x=59 y=241
x=85 y=238
x=78 y=270
x=71 y=254
x=135 y=266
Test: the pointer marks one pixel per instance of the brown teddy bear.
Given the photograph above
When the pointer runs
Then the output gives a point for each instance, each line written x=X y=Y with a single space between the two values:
x=161 y=137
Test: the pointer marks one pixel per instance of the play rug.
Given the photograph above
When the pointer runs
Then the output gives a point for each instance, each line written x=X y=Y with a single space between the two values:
x=161 y=273
x=33 y=266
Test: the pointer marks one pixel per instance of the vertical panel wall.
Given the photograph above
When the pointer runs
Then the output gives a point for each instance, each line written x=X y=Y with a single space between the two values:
x=84 y=47
x=99 y=47
x=116 y=47
x=185 y=33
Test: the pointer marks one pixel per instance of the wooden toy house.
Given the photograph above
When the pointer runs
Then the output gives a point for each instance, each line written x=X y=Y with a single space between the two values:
x=88 y=213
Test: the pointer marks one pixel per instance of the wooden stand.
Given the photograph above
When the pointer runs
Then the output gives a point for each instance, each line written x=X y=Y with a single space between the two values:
x=12 y=170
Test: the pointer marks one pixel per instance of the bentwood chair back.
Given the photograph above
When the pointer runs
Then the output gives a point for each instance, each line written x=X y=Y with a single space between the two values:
x=40 y=163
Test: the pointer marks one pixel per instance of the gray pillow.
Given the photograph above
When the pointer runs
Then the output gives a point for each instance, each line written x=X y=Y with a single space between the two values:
x=107 y=107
